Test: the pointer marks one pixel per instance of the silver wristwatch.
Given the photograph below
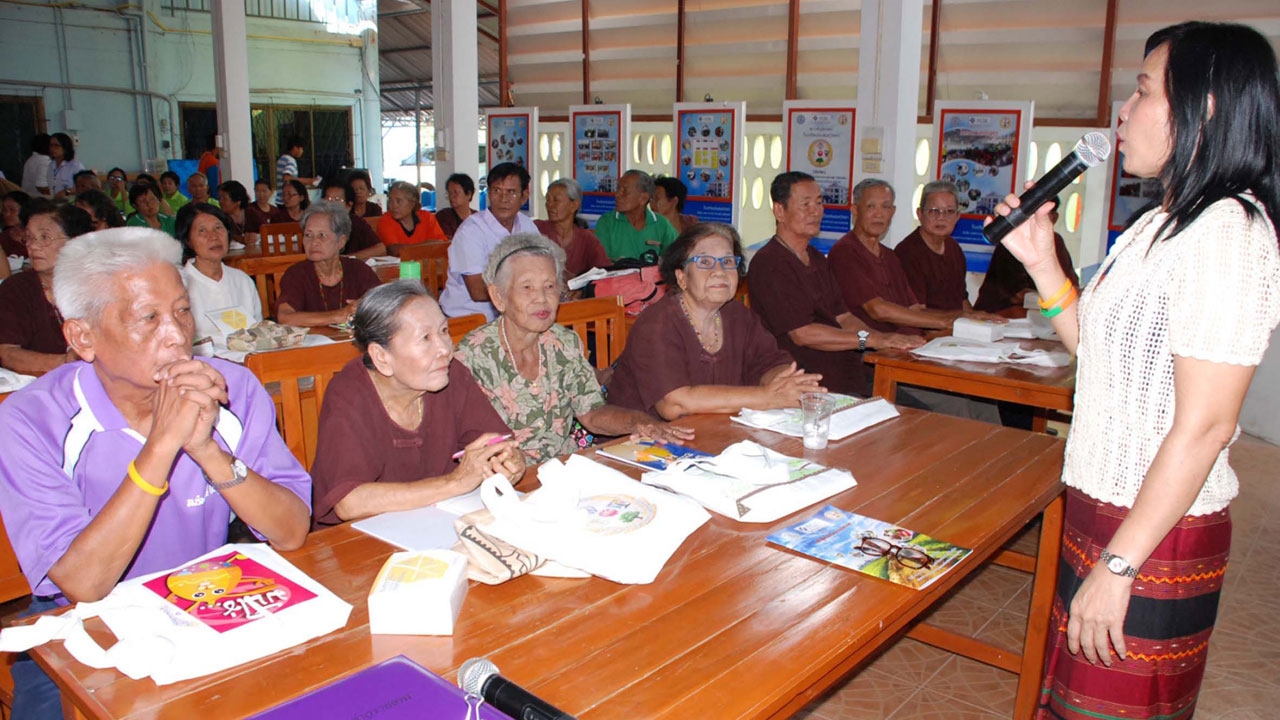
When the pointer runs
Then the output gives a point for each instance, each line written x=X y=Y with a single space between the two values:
x=239 y=473
x=862 y=340
x=1117 y=565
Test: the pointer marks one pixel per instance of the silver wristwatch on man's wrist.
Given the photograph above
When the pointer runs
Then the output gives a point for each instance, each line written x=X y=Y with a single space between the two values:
x=1117 y=565
x=862 y=340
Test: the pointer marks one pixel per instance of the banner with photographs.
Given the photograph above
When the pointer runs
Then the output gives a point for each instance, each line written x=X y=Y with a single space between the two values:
x=1129 y=194
x=601 y=136
x=819 y=140
x=710 y=158
x=983 y=147
x=510 y=136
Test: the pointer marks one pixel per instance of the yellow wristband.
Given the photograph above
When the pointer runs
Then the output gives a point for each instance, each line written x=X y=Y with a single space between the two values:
x=1062 y=292
x=146 y=487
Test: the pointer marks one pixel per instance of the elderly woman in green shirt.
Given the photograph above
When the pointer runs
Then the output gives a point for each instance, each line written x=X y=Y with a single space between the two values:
x=532 y=370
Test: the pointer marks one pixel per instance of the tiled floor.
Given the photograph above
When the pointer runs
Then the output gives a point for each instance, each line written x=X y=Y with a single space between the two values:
x=913 y=681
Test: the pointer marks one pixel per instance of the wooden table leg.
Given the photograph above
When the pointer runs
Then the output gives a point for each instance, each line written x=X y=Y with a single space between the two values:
x=885 y=384
x=1042 y=591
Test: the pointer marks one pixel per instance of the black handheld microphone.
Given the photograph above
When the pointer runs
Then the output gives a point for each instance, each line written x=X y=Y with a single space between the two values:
x=479 y=676
x=1091 y=150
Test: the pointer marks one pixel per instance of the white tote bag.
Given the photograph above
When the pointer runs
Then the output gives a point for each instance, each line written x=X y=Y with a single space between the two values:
x=593 y=518
x=238 y=603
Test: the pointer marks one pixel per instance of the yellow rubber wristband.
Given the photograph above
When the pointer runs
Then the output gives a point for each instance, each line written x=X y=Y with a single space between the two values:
x=1062 y=292
x=146 y=487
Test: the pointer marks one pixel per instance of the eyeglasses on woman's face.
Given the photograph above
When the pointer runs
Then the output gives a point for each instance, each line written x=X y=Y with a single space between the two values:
x=709 y=262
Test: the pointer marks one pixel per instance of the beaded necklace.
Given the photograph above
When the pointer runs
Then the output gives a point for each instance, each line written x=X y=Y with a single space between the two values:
x=533 y=384
x=324 y=301
x=709 y=345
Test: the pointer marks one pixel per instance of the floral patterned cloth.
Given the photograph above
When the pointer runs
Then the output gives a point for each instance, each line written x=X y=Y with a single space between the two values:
x=543 y=420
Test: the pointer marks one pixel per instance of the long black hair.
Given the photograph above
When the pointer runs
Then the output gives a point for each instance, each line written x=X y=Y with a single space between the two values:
x=1223 y=89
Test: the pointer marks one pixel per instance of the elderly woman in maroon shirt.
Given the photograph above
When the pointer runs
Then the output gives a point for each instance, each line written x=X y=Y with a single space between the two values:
x=698 y=350
x=31 y=339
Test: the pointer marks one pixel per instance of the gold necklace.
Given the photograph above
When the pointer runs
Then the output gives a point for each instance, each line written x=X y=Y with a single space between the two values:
x=533 y=384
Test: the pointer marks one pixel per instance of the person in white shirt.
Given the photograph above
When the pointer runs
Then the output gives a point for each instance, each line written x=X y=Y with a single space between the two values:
x=465 y=291
x=37 y=169
x=223 y=299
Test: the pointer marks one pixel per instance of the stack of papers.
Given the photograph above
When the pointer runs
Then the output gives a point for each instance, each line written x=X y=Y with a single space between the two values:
x=850 y=415
x=959 y=349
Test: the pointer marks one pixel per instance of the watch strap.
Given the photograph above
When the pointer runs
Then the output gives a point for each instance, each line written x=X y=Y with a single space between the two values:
x=1106 y=556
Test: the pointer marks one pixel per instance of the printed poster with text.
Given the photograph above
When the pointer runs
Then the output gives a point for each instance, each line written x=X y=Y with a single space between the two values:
x=601 y=136
x=710 y=158
x=982 y=149
x=511 y=134
x=819 y=141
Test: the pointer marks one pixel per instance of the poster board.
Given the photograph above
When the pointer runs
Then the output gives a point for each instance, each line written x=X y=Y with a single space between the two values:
x=710 y=158
x=983 y=147
x=509 y=137
x=818 y=139
x=601 y=138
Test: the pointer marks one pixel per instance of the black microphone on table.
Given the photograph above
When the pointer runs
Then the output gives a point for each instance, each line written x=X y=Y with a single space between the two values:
x=479 y=676
x=1091 y=150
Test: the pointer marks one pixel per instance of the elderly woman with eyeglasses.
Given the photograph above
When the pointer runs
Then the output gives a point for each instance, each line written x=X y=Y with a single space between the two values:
x=325 y=288
x=145 y=199
x=533 y=370
x=222 y=298
x=698 y=350
x=31 y=339
x=404 y=426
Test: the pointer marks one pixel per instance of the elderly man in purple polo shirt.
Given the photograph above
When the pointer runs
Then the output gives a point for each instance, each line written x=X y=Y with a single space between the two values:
x=132 y=461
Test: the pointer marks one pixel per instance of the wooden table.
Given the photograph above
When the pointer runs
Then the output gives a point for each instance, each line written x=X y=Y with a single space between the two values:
x=1043 y=388
x=731 y=628
x=236 y=258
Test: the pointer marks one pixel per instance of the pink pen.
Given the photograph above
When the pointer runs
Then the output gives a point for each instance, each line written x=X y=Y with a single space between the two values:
x=458 y=455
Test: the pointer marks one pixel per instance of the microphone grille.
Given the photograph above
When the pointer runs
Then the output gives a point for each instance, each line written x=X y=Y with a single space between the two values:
x=473 y=673
x=1093 y=148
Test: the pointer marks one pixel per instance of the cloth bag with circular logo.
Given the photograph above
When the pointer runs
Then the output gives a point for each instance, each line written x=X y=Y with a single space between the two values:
x=593 y=518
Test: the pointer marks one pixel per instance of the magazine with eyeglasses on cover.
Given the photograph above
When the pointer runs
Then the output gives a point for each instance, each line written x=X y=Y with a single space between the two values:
x=872 y=547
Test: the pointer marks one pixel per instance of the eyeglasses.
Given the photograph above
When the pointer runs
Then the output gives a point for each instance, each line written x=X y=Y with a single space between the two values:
x=708 y=262
x=908 y=557
x=34 y=239
x=941 y=212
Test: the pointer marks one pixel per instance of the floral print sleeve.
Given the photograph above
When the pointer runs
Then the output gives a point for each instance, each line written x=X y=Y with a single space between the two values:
x=540 y=413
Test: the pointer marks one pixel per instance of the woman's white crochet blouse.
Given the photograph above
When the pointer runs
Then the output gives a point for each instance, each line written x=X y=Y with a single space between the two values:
x=1210 y=293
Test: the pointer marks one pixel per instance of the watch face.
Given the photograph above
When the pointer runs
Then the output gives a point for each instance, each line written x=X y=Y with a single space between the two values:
x=239 y=468
x=1117 y=565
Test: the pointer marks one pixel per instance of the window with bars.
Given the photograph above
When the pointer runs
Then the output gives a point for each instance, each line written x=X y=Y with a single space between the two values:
x=325 y=131
x=339 y=15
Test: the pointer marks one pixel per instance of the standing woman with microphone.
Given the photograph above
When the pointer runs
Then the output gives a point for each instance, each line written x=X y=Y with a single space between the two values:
x=1167 y=337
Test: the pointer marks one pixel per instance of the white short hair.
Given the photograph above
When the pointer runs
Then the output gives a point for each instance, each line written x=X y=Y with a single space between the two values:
x=82 y=277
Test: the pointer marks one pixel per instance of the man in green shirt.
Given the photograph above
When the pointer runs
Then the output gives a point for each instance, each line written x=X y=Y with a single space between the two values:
x=633 y=230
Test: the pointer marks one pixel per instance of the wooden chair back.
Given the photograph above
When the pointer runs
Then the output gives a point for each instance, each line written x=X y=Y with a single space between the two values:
x=266 y=272
x=463 y=324
x=602 y=320
x=13 y=584
x=281 y=238
x=299 y=419
x=434 y=257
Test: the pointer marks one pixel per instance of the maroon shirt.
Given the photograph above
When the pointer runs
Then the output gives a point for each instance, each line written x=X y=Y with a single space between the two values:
x=362 y=235
x=663 y=354
x=584 y=251
x=255 y=217
x=864 y=276
x=27 y=319
x=449 y=221
x=937 y=280
x=1006 y=277
x=372 y=209
x=359 y=443
x=13 y=240
x=787 y=294
x=300 y=286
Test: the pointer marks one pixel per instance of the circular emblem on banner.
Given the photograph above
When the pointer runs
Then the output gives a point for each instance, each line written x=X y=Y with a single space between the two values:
x=820 y=153
x=613 y=514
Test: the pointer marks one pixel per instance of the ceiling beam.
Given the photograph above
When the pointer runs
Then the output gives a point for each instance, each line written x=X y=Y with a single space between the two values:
x=393 y=51
x=1108 y=52
x=935 y=38
x=586 y=52
x=504 y=79
x=680 y=50
x=793 y=47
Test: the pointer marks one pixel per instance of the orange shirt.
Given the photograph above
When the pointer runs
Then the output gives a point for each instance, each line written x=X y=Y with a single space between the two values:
x=391 y=232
